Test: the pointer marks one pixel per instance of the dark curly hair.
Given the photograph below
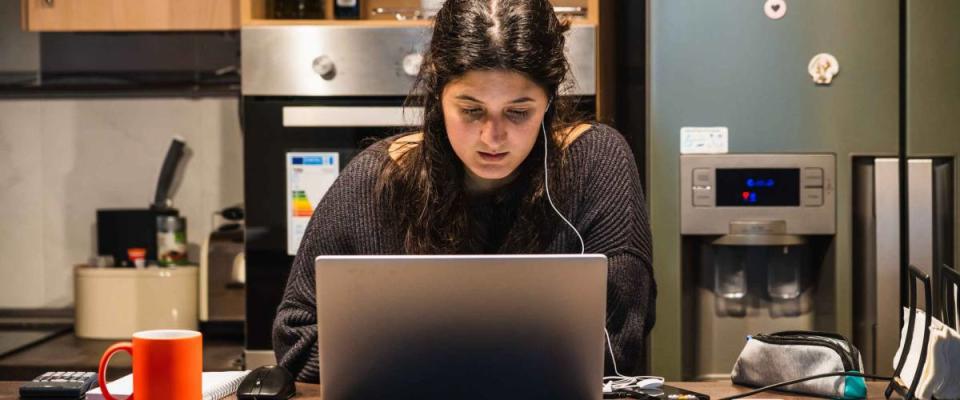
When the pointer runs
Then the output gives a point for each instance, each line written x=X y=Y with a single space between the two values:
x=522 y=36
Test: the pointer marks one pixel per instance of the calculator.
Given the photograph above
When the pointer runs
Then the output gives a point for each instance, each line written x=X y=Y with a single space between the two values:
x=59 y=385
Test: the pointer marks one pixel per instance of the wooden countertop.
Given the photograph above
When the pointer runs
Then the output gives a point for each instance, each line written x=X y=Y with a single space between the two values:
x=9 y=390
x=67 y=352
x=720 y=389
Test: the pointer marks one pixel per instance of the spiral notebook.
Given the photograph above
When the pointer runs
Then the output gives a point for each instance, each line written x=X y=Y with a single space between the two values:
x=216 y=385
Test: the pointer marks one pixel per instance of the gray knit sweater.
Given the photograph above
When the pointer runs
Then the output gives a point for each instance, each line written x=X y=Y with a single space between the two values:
x=608 y=209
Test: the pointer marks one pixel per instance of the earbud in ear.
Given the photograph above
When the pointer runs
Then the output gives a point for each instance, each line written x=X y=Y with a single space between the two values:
x=549 y=103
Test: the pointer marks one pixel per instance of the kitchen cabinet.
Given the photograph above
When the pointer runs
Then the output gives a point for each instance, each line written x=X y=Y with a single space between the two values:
x=388 y=12
x=127 y=15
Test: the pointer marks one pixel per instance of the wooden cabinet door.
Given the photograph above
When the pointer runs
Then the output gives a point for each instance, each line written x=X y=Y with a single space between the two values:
x=130 y=15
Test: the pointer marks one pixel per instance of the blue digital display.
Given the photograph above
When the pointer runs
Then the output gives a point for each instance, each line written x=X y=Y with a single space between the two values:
x=758 y=187
x=760 y=182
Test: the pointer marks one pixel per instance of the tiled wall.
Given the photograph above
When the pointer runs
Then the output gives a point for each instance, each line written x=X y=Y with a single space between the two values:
x=60 y=160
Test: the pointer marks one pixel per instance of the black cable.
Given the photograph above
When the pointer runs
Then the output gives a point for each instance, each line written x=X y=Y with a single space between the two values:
x=827 y=375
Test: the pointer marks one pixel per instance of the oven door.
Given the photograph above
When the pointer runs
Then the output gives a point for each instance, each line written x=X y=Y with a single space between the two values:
x=294 y=147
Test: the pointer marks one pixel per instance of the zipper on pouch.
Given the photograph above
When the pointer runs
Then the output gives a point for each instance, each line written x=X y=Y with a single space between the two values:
x=848 y=357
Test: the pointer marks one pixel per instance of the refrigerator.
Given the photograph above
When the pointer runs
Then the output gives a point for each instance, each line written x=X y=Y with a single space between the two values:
x=905 y=208
x=874 y=83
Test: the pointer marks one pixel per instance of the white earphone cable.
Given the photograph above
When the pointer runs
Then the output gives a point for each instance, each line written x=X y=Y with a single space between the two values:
x=546 y=184
x=610 y=383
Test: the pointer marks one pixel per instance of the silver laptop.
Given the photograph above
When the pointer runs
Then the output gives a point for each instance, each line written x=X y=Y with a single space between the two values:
x=465 y=327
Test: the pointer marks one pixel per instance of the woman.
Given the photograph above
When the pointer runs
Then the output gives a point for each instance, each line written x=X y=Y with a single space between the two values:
x=472 y=180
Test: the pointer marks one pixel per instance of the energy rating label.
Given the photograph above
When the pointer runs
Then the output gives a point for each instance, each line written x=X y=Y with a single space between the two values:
x=309 y=176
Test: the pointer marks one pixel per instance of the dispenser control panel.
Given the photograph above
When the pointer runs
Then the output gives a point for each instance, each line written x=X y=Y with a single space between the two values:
x=769 y=187
x=719 y=189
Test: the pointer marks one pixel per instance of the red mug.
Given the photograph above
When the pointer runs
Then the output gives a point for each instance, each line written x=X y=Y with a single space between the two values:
x=167 y=364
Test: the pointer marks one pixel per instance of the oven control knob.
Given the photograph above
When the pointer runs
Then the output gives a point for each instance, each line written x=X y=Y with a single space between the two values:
x=324 y=67
x=411 y=63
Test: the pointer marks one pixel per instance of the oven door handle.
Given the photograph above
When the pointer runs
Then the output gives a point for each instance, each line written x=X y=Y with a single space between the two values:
x=351 y=117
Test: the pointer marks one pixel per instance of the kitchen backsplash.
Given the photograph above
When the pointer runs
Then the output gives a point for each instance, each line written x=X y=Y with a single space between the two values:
x=62 y=159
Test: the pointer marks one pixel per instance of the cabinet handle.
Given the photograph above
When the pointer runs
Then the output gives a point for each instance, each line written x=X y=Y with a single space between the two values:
x=49 y=3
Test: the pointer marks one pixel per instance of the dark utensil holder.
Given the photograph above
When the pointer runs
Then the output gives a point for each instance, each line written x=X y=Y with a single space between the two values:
x=896 y=384
x=949 y=282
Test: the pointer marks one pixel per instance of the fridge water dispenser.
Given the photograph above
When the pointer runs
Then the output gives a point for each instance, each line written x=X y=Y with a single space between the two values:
x=756 y=229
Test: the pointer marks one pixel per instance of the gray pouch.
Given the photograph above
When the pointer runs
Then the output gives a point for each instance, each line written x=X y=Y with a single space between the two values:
x=785 y=356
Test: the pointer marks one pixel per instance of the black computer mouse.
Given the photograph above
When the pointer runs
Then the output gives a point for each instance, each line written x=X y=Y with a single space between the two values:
x=271 y=382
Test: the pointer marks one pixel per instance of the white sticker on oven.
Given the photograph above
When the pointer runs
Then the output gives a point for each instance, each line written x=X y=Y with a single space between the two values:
x=703 y=140
x=309 y=176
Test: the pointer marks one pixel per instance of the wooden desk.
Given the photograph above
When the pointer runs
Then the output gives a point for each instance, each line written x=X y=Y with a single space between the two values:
x=720 y=389
x=9 y=390
x=66 y=352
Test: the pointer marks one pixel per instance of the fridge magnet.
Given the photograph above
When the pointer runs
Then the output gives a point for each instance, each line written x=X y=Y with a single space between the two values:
x=775 y=9
x=823 y=67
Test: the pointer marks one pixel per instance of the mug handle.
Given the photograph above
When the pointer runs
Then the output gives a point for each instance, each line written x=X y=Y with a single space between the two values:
x=101 y=371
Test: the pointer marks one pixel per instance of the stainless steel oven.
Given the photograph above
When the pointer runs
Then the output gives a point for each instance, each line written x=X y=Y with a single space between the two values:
x=313 y=96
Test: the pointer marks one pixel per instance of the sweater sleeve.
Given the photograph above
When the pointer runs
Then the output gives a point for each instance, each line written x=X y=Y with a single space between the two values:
x=327 y=233
x=615 y=224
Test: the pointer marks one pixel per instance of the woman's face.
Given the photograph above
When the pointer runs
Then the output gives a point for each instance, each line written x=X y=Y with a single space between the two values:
x=493 y=120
